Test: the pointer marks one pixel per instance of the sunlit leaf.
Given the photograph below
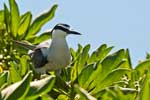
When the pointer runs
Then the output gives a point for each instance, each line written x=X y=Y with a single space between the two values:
x=93 y=76
x=14 y=73
x=63 y=97
x=112 y=77
x=24 y=24
x=85 y=74
x=18 y=90
x=73 y=53
x=1 y=16
x=15 y=18
x=145 y=89
x=128 y=58
x=112 y=61
x=40 y=87
x=7 y=17
x=40 y=21
x=84 y=95
x=79 y=61
x=43 y=37
x=3 y=78
x=83 y=57
x=99 y=54
x=24 y=64
x=143 y=67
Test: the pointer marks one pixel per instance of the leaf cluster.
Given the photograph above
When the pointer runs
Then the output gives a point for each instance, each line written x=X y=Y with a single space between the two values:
x=102 y=75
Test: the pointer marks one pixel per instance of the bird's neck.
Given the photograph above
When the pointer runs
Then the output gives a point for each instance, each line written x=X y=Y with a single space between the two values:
x=59 y=43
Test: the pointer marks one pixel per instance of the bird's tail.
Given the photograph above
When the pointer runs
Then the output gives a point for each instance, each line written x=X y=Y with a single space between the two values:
x=25 y=45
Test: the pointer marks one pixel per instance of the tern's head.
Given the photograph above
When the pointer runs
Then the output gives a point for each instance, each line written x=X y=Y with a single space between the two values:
x=62 y=30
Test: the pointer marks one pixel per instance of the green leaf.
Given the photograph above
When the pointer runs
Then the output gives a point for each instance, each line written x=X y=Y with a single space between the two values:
x=80 y=62
x=145 y=89
x=40 y=87
x=40 y=21
x=93 y=76
x=85 y=74
x=73 y=54
x=43 y=37
x=15 y=18
x=88 y=75
x=129 y=59
x=7 y=17
x=45 y=97
x=3 y=78
x=112 y=77
x=2 y=25
x=24 y=64
x=103 y=51
x=99 y=54
x=83 y=57
x=142 y=67
x=112 y=61
x=84 y=95
x=24 y=24
x=1 y=16
x=18 y=90
x=62 y=97
x=14 y=73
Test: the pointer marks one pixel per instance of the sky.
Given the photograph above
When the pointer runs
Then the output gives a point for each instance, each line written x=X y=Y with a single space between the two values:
x=119 y=23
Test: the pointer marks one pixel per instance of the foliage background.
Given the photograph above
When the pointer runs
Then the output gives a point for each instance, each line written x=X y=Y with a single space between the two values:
x=123 y=24
x=100 y=75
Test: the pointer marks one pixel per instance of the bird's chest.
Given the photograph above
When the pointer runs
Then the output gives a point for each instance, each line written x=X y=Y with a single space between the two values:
x=59 y=54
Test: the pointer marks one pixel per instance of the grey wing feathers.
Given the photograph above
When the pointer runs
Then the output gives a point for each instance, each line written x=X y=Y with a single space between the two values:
x=38 y=59
x=25 y=45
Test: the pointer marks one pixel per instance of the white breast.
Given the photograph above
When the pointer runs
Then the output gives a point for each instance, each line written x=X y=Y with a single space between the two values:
x=58 y=54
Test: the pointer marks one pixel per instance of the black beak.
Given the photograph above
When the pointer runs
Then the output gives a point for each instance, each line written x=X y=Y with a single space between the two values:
x=74 y=32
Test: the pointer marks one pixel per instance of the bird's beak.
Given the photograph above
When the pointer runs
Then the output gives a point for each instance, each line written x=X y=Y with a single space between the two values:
x=74 y=32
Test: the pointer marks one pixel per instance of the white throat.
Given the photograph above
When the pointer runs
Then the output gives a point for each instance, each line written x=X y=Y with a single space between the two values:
x=58 y=34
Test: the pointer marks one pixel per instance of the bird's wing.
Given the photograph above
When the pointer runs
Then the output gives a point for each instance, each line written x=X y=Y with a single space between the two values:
x=44 y=44
x=38 y=58
x=39 y=54
x=25 y=45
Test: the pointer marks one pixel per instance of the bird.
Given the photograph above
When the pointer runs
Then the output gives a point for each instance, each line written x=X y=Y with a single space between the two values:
x=54 y=54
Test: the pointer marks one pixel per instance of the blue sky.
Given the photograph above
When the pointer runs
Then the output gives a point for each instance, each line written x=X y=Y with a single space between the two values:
x=119 y=23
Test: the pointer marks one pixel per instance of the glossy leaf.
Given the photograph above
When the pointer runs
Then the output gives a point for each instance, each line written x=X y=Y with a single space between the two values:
x=40 y=21
x=24 y=64
x=7 y=17
x=112 y=61
x=129 y=59
x=145 y=89
x=24 y=24
x=112 y=77
x=79 y=61
x=85 y=74
x=15 y=18
x=1 y=16
x=43 y=37
x=3 y=78
x=62 y=97
x=18 y=90
x=84 y=95
x=93 y=76
x=143 y=67
x=99 y=54
x=40 y=87
x=14 y=73
x=84 y=55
